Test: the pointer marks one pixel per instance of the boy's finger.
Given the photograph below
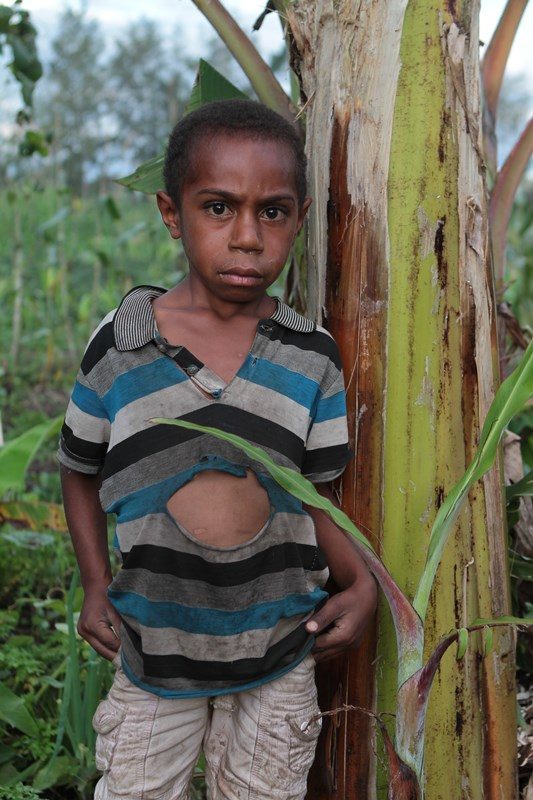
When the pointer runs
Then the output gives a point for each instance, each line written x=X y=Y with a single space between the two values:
x=327 y=614
x=334 y=637
x=102 y=638
x=102 y=648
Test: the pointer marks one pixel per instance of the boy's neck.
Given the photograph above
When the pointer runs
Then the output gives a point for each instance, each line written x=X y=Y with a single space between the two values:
x=190 y=295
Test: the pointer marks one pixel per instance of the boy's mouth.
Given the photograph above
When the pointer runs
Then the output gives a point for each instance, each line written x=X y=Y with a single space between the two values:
x=241 y=276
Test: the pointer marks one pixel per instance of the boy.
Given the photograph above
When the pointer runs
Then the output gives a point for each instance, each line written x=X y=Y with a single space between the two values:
x=218 y=599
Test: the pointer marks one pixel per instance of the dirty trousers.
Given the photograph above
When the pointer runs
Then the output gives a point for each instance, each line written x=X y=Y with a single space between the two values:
x=258 y=744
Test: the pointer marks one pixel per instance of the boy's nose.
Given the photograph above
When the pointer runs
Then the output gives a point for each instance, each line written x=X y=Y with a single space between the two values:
x=246 y=234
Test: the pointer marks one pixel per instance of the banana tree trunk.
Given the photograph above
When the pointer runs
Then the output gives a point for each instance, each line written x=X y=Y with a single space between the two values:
x=400 y=270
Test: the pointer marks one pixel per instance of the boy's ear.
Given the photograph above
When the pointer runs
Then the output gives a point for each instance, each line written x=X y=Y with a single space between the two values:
x=302 y=211
x=169 y=214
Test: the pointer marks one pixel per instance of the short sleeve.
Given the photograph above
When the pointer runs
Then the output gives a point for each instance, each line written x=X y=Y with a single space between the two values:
x=86 y=429
x=327 y=449
x=85 y=432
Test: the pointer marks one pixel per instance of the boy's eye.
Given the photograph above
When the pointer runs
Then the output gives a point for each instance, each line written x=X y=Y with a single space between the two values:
x=218 y=208
x=273 y=213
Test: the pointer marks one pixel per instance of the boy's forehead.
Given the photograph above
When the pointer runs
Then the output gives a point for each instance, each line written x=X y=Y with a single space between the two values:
x=223 y=155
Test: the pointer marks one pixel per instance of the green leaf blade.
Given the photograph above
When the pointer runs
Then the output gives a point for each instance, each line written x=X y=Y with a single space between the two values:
x=523 y=488
x=17 y=454
x=462 y=643
x=209 y=86
x=14 y=712
x=147 y=178
x=510 y=398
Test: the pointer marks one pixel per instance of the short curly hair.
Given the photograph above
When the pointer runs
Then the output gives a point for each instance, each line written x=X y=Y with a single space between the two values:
x=234 y=118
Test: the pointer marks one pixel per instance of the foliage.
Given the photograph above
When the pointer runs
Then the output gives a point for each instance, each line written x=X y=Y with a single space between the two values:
x=519 y=264
x=75 y=94
x=50 y=680
x=18 y=36
x=16 y=455
x=19 y=792
x=145 y=99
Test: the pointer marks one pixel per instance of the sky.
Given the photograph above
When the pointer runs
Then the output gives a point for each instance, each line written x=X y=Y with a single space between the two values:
x=116 y=14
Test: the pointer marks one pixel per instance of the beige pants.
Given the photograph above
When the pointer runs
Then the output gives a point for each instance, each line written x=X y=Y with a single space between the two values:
x=258 y=744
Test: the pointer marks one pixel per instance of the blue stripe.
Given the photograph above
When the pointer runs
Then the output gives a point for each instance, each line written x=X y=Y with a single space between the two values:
x=141 y=382
x=88 y=401
x=153 y=499
x=283 y=501
x=288 y=383
x=209 y=621
x=150 y=500
x=331 y=407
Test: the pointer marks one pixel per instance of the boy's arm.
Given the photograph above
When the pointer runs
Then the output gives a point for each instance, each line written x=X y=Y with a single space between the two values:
x=99 y=622
x=349 y=611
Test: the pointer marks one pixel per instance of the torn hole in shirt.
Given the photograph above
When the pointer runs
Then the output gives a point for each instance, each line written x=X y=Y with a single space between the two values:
x=220 y=508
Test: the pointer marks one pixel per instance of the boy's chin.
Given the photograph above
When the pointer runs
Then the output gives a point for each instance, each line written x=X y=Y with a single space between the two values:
x=231 y=293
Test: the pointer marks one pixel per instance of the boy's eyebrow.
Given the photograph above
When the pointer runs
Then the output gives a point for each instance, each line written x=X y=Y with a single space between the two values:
x=275 y=198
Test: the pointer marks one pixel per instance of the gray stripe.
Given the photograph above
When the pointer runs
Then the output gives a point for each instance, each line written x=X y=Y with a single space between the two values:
x=198 y=594
x=87 y=427
x=174 y=401
x=169 y=641
x=270 y=405
x=160 y=530
x=187 y=685
x=74 y=464
x=163 y=465
x=323 y=433
x=105 y=372
x=324 y=477
x=312 y=364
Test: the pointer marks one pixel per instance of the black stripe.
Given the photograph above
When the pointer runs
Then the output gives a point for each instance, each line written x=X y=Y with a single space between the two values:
x=244 y=669
x=98 y=347
x=158 y=438
x=164 y=561
x=184 y=358
x=316 y=342
x=81 y=450
x=326 y=459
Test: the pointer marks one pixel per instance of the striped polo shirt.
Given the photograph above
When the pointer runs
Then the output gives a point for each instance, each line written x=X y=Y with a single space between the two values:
x=198 y=619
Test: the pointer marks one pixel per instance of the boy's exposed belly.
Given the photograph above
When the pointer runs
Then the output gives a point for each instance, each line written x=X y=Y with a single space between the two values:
x=221 y=509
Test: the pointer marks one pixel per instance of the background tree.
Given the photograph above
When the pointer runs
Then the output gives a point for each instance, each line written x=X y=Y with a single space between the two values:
x=71 y=103
x=148 y=88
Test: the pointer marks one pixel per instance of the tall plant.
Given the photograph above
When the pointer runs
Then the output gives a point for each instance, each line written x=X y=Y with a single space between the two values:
x=400 y=262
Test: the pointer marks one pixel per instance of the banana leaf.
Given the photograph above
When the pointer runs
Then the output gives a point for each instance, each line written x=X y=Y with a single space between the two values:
x=17 y=455
x=209 y=86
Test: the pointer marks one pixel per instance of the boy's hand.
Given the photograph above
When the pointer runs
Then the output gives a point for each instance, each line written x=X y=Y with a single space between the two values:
x=99 y=623
x=343 y=618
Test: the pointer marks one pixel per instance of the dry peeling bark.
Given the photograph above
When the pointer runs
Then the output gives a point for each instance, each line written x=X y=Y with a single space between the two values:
x=400 y=272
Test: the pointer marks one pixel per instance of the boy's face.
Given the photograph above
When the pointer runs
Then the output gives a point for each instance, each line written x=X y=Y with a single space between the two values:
x=238 y=216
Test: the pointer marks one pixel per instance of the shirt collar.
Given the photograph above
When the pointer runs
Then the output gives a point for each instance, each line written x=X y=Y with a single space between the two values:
x=134 y=323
